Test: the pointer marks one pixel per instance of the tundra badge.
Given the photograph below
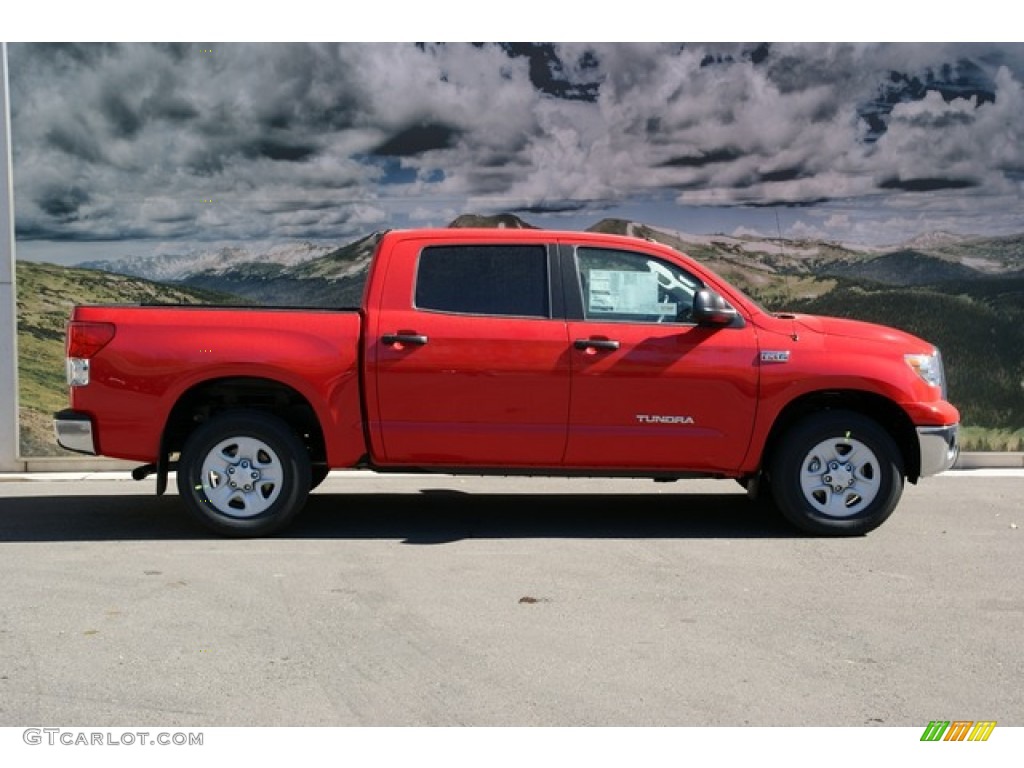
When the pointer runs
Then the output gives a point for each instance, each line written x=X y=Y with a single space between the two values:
x=644 y=418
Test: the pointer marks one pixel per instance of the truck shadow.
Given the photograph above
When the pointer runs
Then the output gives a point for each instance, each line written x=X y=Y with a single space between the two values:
x=441 y=516
x=426 y=517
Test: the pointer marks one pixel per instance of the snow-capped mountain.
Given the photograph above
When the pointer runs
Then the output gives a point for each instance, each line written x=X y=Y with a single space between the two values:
x=173 y=267
x=937 y=239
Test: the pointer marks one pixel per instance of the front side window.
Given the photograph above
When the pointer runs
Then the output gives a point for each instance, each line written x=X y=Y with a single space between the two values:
x=634 y=287
x=510 y=280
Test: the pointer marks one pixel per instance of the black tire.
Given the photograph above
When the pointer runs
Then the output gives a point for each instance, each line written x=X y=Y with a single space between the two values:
x=836 y=473
x=244 y=473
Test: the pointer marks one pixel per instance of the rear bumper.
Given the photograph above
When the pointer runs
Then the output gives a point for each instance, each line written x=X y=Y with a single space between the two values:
x=939 y=448
x=74 y=432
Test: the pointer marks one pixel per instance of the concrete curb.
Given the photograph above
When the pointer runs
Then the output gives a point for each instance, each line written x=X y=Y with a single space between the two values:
x=90 y=465
x=1007 y=460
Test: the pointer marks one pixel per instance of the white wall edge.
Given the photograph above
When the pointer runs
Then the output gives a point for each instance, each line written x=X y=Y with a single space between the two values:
x=9 y=429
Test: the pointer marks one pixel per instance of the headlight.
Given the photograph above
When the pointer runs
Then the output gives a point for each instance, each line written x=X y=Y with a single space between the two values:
x=929 y=368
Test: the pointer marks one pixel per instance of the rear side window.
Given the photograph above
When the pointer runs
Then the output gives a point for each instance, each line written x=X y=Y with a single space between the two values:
x=484 y=280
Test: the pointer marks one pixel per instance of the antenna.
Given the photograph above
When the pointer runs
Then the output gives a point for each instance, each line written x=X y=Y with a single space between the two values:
x=785 y=275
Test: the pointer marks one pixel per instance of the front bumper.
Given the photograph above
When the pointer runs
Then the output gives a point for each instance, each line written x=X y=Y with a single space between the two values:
x=74 y=432
x=939 y=448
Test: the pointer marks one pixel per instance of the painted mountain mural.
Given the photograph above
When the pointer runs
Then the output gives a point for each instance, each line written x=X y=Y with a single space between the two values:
x=964 y=294
x=876 y=180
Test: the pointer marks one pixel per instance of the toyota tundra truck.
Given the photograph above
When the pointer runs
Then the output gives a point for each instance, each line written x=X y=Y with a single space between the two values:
x=511 y=352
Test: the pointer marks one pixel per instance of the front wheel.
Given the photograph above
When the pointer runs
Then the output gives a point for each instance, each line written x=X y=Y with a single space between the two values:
x=837 y=473
x=244 y=473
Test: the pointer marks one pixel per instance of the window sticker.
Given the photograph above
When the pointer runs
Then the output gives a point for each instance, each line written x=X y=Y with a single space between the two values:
x=626 y=293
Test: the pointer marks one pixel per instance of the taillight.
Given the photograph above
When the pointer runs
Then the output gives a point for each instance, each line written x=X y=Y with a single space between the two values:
x=84 y=341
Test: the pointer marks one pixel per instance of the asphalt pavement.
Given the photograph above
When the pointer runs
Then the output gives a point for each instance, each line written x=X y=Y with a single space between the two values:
x=413 y=600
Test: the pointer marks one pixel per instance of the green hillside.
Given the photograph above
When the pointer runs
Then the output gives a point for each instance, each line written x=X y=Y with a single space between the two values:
x=979 y=329
x=46 y=294
x=904 y=268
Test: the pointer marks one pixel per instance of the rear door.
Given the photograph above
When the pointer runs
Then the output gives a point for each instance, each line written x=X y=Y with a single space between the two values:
x=650 y=388
x=469 y=356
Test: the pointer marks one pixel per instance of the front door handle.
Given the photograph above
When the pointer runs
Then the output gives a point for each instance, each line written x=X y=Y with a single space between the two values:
x=392 y=339
x=595 y=344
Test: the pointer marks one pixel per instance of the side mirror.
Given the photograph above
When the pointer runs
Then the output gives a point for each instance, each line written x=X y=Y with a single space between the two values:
x=711 y=309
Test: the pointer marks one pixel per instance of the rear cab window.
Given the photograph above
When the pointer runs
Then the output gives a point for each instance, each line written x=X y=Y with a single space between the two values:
x=496 y=280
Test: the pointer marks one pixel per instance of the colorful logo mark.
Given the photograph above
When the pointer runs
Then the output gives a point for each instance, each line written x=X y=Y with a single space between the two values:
x=958 y=730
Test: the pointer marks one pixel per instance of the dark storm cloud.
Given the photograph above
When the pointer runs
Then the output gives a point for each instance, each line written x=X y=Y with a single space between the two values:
x=545 y=209
x=784 y=174
x=792 y=70
x=172 y=107
x=74 y=140
x=941 y=121
x=801 y=204
x=124 y=121
x=491 y=180
x=926 y=184
x=417 y=139
x=274 y=149
x=501 y=159
x=279 y=205
x=204 y=162
x=67 y=56
x=549 y=73
x=705 y=157
x=62 y=204
x=172 y=218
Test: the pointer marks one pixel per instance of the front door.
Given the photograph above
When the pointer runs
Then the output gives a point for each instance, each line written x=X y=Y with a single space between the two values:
x=650 y=388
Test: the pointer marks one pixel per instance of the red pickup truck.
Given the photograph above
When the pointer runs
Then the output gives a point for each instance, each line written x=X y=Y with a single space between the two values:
x=511 y=352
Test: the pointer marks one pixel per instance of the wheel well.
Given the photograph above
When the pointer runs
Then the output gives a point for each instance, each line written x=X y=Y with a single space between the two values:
x=206 y=400
x=881 y=410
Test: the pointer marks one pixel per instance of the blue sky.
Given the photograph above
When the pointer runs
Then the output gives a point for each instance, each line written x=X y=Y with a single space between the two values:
x=143 y=149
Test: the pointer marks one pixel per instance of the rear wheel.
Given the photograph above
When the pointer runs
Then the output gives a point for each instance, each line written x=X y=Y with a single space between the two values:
x=244 y=473
x=837 y=473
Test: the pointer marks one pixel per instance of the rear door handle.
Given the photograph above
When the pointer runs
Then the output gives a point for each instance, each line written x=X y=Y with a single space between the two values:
x=596 y=344
x=392 y=339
